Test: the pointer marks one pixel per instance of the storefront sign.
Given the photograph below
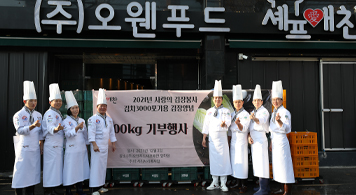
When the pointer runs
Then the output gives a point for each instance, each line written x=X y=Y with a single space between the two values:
x=280 y=17
x=138 y=19
x=145 y=21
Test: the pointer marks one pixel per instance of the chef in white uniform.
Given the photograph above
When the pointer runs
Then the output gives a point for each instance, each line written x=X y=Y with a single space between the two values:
x=259 y=143
x=216 y=124
x=76 y=164
x=27 y=122
x=100 y=130
x=53 y=145
x=280 y=125
x=238 y=132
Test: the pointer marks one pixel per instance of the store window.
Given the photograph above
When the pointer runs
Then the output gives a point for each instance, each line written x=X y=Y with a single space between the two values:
x=120 y=76
x=177 y=75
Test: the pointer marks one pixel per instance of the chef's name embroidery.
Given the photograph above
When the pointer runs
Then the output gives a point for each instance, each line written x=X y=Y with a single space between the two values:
x=49 y=120
x=17 y=121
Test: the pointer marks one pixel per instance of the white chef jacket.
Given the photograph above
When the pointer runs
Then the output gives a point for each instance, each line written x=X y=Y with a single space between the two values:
x=239 y=145
x=259 y=148
x=219 y=157
x=281 y=155
x=100 y=132
x=53 y=150
x=27 y=167
x=76 y=163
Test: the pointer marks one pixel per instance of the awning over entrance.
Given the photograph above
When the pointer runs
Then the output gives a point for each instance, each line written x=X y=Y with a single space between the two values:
x=285 y=44
x=101 y=43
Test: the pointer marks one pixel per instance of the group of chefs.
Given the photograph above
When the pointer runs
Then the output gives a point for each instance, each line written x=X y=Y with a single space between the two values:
x=230 y=133
x=36 y=135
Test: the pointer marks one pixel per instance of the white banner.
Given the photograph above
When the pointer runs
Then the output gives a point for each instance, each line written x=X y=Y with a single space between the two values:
x=153 y=128
x=157 y=128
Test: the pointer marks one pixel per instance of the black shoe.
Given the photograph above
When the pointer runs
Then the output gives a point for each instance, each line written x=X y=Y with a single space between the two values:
x=53 y=192
x=243 y=189
x=79 y=187
x=236 y=186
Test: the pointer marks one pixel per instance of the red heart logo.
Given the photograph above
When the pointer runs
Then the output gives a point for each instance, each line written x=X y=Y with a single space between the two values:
x=313 y=16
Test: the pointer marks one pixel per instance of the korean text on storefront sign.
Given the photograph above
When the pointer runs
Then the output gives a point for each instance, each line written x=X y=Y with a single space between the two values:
x=139 y=20
x=279 y=16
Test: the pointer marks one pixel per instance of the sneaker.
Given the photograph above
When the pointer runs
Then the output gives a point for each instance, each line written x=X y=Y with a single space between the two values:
x=212 y=187
x=103 y=190
x=95 y=193
x=224 y=188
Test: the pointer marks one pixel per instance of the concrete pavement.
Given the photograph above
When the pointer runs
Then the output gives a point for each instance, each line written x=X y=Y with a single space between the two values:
x=335 y=180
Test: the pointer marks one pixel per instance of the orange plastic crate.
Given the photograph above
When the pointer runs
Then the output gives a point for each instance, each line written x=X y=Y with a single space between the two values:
x=305 y=161
x=306 y=172
x=304 y=150
x=303 y=138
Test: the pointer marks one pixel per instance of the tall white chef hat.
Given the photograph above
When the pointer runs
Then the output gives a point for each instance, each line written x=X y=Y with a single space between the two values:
x=257 y=93
x=217 y=89
x=237 y=92
x=101 y=97
x=277 y=89
x=244 y=94
x=70 y=99
x=29 y=92
x=54 y=92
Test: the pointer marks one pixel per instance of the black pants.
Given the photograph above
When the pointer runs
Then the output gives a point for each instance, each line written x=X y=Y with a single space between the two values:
x=29 y=190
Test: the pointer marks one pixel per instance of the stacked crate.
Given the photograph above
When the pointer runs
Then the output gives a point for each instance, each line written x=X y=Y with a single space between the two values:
x=155 y=175
x=304 y=150
x=123 y=175
x=185 y=175
x=126 y=174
